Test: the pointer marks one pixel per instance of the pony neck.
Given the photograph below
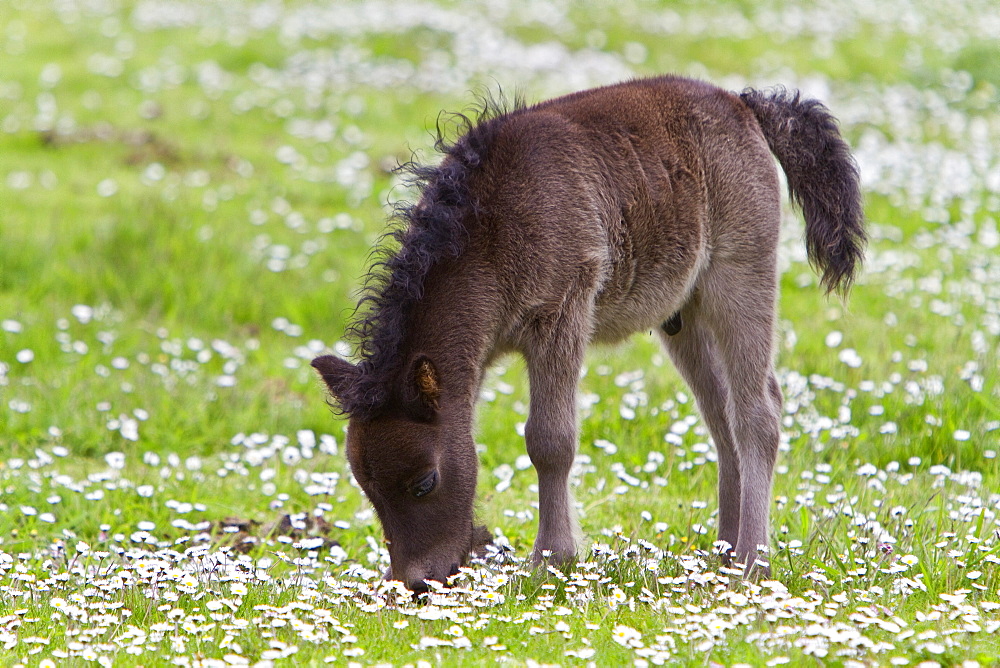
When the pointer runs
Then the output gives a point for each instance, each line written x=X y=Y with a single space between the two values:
x=454 y=325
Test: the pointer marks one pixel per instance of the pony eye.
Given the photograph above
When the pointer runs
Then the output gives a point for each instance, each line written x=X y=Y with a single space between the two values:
x=425 y=485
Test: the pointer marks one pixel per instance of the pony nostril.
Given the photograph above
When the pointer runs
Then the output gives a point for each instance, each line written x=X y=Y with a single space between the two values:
x=419 y=587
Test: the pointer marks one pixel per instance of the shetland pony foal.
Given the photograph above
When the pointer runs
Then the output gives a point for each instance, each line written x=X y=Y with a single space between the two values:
x=651 y=204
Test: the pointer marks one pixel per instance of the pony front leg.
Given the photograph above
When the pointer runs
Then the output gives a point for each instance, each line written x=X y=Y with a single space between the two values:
x=551 y=437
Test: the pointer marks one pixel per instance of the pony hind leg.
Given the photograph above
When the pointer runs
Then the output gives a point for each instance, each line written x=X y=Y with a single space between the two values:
x=695 y=354
x=738 y=303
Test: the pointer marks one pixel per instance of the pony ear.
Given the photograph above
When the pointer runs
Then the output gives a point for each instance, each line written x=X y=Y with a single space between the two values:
x=338 y=374
x=427 y=384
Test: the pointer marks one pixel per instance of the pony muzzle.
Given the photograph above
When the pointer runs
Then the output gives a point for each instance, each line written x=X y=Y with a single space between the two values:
x=422 y=584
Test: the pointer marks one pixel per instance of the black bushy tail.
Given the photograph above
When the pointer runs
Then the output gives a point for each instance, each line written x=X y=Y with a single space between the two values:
x=822 y=177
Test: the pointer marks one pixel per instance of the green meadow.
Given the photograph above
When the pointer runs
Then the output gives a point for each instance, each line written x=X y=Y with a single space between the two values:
x=189 y=194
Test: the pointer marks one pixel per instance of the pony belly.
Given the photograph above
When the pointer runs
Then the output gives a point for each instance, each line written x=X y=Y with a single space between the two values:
x=650 y=302
x=615 y=323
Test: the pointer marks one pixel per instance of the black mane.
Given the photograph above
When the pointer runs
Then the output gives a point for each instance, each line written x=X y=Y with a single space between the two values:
x=421 y=234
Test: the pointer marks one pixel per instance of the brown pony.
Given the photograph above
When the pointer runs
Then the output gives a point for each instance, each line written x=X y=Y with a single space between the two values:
x=650 y=204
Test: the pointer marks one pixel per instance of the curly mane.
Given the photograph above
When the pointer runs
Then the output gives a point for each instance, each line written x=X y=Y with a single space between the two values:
x=421 y=234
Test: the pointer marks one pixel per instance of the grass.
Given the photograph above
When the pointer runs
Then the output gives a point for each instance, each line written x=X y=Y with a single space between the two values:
x=189 y=196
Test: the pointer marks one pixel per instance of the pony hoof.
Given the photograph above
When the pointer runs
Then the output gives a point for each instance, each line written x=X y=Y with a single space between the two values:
x=755 y=567
x=481 y=539
x=553 y=557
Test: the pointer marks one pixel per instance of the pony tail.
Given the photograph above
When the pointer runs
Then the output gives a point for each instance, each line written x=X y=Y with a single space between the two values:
x=822 y=178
